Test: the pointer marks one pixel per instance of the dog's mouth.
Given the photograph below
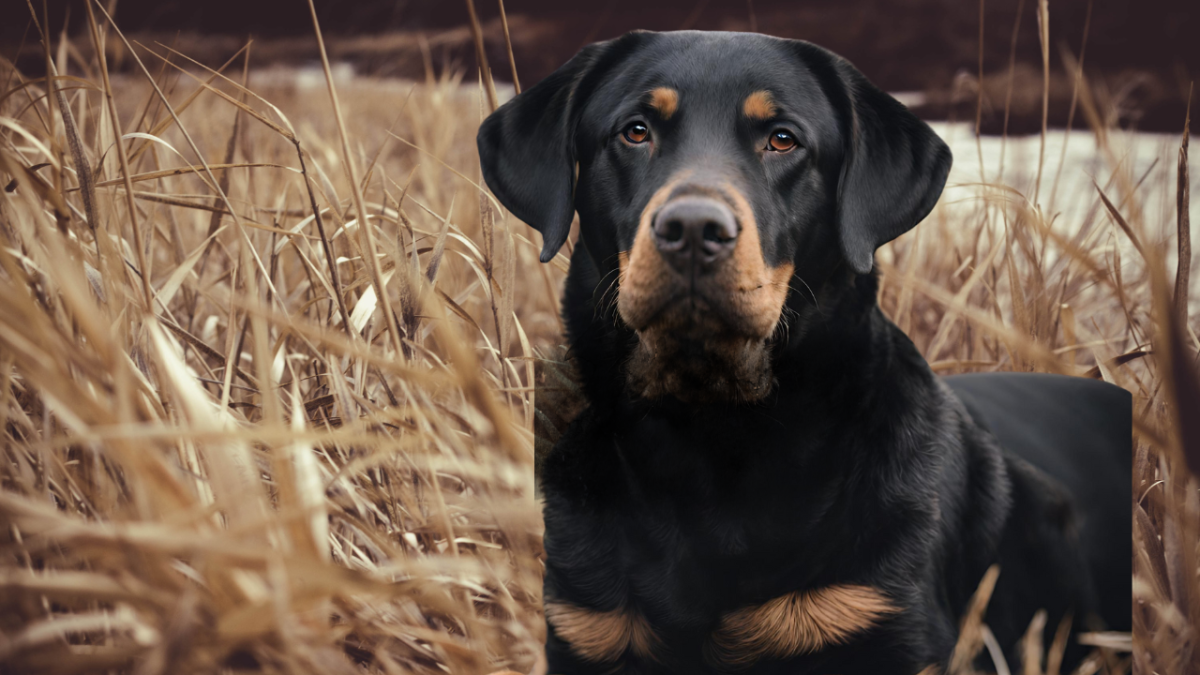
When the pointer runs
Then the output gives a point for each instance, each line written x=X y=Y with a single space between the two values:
x=704 y=304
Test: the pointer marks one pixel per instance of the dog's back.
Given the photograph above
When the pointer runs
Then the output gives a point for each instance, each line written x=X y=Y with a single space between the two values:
x=1079 y=432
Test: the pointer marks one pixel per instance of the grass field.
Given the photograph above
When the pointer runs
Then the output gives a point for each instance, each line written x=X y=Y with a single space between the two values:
x=239 y=435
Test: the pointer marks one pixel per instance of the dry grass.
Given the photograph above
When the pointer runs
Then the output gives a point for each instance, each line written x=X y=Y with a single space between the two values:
x=222 y=452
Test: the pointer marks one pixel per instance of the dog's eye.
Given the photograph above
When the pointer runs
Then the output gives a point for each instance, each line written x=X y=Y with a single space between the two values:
x=781 y=140
x=636 y=133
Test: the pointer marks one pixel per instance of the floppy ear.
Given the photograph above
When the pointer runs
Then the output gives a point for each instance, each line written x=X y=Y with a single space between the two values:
x=893 y=171
x=527 y=146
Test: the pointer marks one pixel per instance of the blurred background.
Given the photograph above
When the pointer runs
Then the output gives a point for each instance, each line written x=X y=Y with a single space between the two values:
x=1139 y=56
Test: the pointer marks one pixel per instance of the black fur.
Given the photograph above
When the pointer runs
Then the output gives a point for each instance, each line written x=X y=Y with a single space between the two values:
x=861 y=466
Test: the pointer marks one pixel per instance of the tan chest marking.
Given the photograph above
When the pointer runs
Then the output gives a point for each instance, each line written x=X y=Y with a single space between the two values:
x=602 y=636
x=798 y=623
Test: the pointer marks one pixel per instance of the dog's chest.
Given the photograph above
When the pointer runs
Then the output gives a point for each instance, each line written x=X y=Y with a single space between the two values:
x=689 y=523
x=699 y=536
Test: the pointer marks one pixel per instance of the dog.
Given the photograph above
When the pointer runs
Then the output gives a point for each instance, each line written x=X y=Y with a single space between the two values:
x=767 y=476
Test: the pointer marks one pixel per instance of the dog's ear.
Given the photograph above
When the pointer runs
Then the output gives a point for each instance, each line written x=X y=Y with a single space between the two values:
x=527 y=146
x=893 y=170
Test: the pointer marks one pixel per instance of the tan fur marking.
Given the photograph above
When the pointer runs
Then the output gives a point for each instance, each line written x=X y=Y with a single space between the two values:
x=931 y=670
x=759 y=105
x=798 y=623
x=759 y=291
x=743 y=299
x=602 y=636
x=643 y=271
x=754 y=291
x=665 y=100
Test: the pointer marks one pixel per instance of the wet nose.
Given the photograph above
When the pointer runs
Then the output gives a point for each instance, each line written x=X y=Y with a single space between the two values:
x=694 y=233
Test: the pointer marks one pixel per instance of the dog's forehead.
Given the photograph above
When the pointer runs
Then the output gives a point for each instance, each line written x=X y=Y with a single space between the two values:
x=701 y=57
x=711 y=74
x=711 y=79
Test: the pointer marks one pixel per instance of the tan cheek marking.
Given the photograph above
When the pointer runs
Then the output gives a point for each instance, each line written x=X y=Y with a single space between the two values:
x=758 y=292
x=755 y=292
x=644 y=274
x=798 y=623
x=759 y=106
x=931 y=670
x=665 y=100
x=602 y=636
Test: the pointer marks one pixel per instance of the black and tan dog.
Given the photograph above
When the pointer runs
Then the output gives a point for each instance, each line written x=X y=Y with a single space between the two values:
x=768 y=478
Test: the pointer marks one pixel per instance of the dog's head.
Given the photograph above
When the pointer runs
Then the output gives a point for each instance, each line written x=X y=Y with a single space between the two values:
x=710 y=172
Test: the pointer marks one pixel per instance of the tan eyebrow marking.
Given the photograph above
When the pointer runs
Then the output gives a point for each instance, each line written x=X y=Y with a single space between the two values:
x=759 y=105
x=602 y=636
x=798 y=623
x=665 y=100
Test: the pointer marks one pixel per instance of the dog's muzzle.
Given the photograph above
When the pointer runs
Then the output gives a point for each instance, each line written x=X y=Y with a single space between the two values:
x=703 y=301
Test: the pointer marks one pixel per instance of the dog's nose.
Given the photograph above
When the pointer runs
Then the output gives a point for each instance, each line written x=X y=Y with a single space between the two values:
x=692 y=233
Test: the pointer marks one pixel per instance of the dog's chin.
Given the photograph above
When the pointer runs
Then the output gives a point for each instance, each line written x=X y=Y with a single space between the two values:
x=695 y=357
